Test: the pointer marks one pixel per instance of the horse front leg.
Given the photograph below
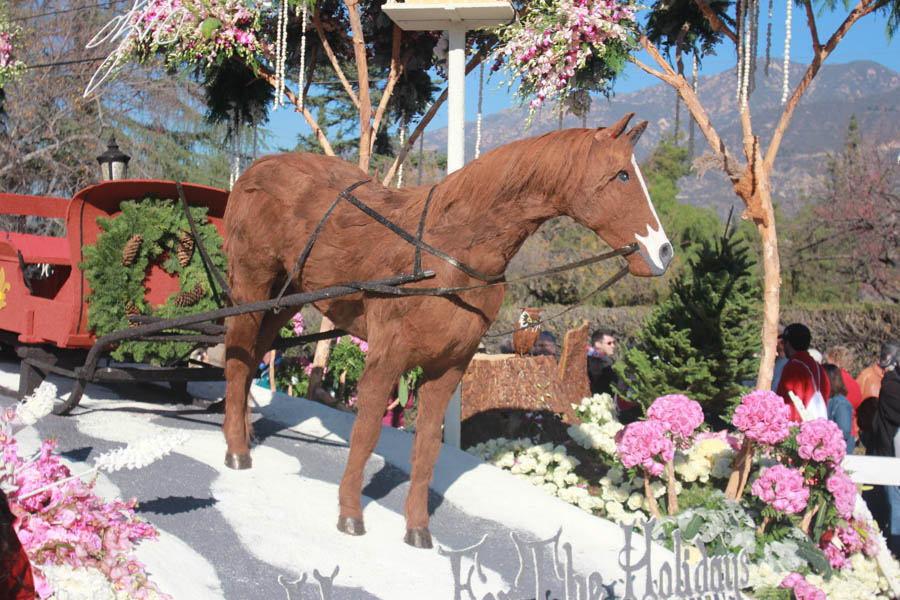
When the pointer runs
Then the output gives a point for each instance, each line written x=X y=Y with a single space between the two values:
x=434 y=396
x=375 y=385
x=247 y=339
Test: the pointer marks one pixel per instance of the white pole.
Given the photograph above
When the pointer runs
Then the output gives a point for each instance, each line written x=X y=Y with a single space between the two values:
x=456 y=123
x=456 y=111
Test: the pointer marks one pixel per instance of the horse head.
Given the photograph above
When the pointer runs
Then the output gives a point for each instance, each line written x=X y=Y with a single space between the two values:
x=614 y=202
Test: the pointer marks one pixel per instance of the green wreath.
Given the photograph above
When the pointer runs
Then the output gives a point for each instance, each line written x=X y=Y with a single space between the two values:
x=145 y=233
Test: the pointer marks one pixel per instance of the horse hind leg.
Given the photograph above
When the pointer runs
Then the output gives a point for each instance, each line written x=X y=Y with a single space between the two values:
x=434 y=396
x=248 y=338
x=375 y=385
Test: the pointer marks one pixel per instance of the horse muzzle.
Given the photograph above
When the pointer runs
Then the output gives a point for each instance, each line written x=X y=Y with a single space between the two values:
x=654 y=254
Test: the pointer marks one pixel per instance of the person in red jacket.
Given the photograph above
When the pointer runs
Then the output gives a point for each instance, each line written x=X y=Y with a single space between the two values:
x=842 y=357
x=16 y=579
x=802 y=374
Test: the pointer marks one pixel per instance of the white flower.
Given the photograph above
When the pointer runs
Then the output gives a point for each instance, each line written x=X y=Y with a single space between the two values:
x=38 y=405
x=82 y=583
x=140 y=453
x=635 y=501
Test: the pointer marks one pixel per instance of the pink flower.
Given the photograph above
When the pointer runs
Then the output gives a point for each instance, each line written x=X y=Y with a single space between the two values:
x=763 y=416
x=821 y=440
x=803 y=590
x=783 y=488
x=723 y=435
x=644 y=441
x=297 y=324
x=679 y=415
x=844 y=491
x=363 y=345
x=836 y=556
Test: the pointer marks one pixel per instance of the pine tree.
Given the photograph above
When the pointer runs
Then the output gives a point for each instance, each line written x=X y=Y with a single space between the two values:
x=703 y=339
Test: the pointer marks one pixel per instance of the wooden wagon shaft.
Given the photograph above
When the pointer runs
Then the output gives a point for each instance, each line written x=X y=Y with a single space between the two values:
x=87 y=372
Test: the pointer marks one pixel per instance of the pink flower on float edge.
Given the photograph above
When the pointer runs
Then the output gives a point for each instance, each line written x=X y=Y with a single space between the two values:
x=763 y=416
x=844 y=491
x=783 y=488
x=644 y=441
x=803 y=590
x=679 y=415
x=821 y=440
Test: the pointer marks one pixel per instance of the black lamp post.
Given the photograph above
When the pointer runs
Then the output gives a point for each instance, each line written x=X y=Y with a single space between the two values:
x=113 y=162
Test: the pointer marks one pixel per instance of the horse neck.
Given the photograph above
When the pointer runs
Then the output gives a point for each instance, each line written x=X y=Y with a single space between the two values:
x=499 y=200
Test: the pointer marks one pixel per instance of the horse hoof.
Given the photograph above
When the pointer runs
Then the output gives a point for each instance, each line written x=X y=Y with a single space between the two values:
x=418 y=537
x=238 y=461
x=351 y=526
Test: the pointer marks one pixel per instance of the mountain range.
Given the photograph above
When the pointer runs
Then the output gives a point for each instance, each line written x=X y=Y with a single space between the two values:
x=867 y=89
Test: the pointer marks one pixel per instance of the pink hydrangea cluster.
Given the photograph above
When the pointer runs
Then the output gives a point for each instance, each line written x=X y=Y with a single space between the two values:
x=803 y=590
x=195 y=30
x=679 y=415
x=69 y=524
x=555 y=39
x=844 y=491
x=783 y=488
x=643 y=442
x=821 y=440
x=763 y=416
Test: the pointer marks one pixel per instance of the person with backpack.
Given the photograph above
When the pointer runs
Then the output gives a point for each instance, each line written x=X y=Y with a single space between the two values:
x=802 y=375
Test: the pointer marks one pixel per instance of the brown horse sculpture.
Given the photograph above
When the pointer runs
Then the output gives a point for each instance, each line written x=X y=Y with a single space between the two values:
x=480 y=215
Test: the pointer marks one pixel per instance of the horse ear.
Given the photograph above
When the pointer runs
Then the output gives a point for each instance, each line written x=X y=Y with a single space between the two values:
x=616 y=130
x=635 y=134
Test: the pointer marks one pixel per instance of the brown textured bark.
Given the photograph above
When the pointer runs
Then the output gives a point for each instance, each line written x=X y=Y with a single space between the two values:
x=672 y=495
x=740 y=471
x=654 y=507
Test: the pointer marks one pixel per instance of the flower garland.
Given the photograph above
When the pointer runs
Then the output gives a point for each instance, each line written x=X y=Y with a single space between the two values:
x=787 y=53
x=10 y=67
x=558 y=46
x=69 y=533
x=160 y=228
x=199 y=32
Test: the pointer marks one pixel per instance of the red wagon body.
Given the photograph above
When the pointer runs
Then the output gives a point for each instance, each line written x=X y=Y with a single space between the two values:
x=52 y=310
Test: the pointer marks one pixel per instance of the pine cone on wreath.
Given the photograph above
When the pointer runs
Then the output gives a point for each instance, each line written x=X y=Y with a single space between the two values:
x=188 y=298
x=131 y=310
x=130 y=250
x=185 y=248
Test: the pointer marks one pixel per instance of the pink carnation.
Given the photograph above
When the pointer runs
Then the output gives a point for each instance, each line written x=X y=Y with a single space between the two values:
x=836 y=557
x=679 y=415
x=850 y=538
x=844 y=491
x=763 y=416
x=803 y=590
x=821 y=440
x=642 y=442
x=783 y=488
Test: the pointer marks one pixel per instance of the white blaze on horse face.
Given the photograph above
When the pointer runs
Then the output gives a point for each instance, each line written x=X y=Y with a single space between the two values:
x=654 y=246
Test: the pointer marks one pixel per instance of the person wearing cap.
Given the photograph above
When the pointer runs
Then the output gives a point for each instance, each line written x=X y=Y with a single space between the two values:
x=802 y=375
x=869 y=379
x=885 y=441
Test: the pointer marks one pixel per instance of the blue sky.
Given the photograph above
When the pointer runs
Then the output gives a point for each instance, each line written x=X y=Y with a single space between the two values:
x=865 y=41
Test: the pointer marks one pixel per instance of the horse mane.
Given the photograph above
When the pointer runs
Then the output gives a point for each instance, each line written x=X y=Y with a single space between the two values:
x=550 y=163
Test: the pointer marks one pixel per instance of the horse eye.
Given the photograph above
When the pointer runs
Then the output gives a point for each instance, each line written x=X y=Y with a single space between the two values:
x=623 y=176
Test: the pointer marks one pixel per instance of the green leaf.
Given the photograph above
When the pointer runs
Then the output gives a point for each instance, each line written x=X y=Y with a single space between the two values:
x=209 y=26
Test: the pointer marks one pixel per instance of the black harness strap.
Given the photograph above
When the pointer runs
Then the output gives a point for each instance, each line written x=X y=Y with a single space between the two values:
x=312 y=240
x=417 y=265
x=420 y=244
x=207 y=261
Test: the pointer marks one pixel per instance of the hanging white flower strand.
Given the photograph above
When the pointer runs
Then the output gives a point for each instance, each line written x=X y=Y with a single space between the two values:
x=302 y=77
x=235 y=150
x=134 y=456
x=769 y=39
x=478 y=119
x=38 y=405
x=741 y=10
x=280 y=53
x=787 y=52
x=402 y=142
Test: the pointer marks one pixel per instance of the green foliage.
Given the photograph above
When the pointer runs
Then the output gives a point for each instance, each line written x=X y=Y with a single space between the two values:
x=113 y=285
x=702 y=340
